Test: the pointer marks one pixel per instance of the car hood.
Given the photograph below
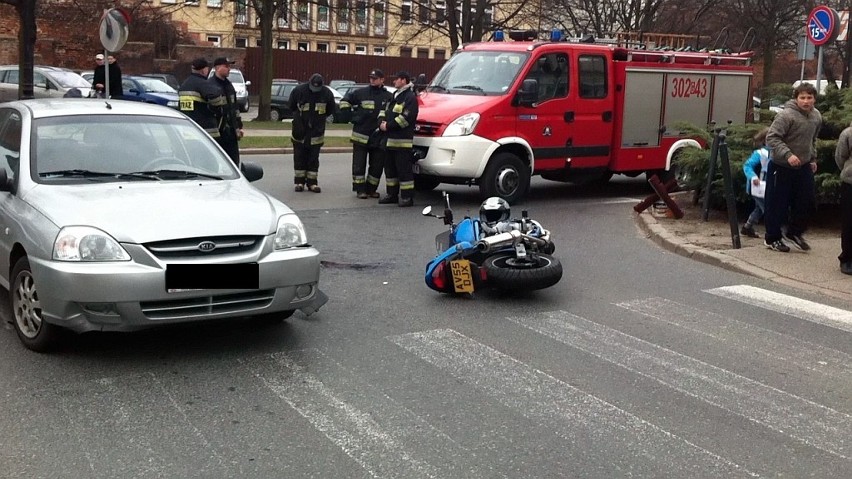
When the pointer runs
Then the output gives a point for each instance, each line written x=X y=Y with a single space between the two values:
x=443 y=108
x=163 y=96
x=141 y=212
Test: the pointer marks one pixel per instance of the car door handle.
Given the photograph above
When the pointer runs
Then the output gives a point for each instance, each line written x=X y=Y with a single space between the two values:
x=569 y=117
x=606 y=116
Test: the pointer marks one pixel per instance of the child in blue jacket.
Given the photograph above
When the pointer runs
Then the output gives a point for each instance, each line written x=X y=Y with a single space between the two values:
x=755 y=171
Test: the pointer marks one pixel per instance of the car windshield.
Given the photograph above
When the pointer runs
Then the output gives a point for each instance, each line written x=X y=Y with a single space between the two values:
x=479 y=73
x=86 y=148
x=236 y=76
x=69 y=79
x=153 y=85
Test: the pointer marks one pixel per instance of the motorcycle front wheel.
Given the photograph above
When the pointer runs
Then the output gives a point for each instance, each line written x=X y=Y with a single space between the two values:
x=540 y=271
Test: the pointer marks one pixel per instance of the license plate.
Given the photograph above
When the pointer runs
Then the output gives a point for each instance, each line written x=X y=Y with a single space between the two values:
x=187 y=277
x=462 y=276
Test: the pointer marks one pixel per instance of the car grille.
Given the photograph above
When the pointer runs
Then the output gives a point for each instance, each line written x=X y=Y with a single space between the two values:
x=185 y=308
x=424 y=128
x=203 y=247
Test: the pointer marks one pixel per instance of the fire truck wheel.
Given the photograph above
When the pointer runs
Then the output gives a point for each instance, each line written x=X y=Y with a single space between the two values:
x=506 y=176
x=426 y=182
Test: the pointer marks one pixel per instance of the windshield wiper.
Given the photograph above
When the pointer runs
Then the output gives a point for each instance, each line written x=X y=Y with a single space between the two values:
x=78 y=173
x=438 y=87
x=468 y=87
x=175 y=174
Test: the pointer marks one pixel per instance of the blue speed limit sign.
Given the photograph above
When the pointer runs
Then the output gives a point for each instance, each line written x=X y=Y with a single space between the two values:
x=823 y=25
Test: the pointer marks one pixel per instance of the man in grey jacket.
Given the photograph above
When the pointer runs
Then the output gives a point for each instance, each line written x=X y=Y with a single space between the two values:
x=790 y=193
x=843 y=158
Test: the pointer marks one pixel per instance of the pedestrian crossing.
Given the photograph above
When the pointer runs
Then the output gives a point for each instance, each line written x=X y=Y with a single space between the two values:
x=382 y=433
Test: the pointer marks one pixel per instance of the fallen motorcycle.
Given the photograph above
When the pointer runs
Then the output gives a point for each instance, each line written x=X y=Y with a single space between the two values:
x=491 y=251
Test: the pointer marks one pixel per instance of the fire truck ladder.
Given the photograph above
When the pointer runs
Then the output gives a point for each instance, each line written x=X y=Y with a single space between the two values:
x=674 y=48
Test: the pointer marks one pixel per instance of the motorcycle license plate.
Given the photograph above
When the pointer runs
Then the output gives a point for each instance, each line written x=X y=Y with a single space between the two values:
x=462 y=277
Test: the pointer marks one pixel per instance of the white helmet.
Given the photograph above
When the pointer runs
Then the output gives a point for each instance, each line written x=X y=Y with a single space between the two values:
x=493 y=210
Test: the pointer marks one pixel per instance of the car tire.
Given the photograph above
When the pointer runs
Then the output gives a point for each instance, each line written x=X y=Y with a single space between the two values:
x=245 y=108
x=35 y=333
x=505 y=176
x=274 y=115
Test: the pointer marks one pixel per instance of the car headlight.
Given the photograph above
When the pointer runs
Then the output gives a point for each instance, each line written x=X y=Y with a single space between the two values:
x=463 y=125
x=84 y=243
x=290 y=232
x=173 y=104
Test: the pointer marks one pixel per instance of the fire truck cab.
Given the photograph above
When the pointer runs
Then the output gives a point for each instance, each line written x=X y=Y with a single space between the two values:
x=498 y=113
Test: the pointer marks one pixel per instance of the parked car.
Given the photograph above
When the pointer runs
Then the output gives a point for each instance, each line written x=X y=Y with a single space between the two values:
x=279 y=104
x=47 y=82
x=345 y=89
x=336 y=83
x=240 y=85
x=89 y=75
x=166 y=78
x=130 y=217
x=148 y=90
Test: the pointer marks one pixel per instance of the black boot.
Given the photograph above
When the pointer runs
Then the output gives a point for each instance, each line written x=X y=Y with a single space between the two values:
x=403 y=202
x=388 y=200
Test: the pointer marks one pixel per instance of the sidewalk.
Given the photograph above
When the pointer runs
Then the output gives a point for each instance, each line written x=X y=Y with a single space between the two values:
x=816 y=271
x=286 y=133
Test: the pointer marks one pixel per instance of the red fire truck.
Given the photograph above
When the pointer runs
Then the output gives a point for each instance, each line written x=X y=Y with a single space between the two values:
x=498 y=113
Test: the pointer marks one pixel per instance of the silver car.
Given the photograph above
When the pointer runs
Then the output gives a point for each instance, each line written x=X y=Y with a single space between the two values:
x=47 y=82
x=118 y=216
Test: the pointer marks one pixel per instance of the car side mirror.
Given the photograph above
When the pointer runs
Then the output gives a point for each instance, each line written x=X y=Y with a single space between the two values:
x=248 y=82
x=251 y=171
x=528 y=93
x=133 y=90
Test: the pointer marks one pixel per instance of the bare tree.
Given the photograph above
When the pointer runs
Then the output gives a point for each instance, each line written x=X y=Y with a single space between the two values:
x=26 y=41
x=266 y=11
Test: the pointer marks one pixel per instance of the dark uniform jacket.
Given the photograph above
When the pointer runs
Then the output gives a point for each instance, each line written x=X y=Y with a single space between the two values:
x=365 y=105
x=400 y=115
x=195 y=94
x=115 y=88
x=310 y=111
x=225 y=107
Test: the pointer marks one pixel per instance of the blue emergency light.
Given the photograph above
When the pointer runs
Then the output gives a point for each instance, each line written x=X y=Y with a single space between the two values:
x=498 y=36
x=555 y=35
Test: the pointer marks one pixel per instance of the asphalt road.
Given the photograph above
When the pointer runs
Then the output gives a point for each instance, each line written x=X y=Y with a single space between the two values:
x=639 y=363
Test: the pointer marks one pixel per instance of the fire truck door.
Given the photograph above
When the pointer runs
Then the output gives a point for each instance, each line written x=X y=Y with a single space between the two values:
x=593 y=112
x=547 y=125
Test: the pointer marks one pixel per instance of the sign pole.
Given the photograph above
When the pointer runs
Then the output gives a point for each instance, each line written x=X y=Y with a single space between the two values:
x=819 y=68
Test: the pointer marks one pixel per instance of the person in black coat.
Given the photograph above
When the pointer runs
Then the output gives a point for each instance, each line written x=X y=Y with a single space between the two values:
x=397 y=125
x=311 y=103
x=226 y=110
x=195 y=95
x=99 y=81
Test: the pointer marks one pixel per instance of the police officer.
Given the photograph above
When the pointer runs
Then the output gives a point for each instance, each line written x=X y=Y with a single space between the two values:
x=397 y=124
x=365 y=104
x=311 y=103
x=195 y=94
x=226 y=110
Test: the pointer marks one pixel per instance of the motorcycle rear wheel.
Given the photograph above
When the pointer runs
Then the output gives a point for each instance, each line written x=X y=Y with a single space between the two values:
x=504 y=271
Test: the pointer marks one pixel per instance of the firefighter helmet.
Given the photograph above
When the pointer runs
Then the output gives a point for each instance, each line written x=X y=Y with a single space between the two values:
x=493 y=210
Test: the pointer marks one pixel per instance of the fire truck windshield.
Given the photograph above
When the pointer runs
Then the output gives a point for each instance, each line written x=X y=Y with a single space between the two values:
x=479 y=73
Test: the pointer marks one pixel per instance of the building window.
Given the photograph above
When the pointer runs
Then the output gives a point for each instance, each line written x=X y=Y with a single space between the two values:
x=304 y=46
x=361 y=17
x=360 y=49
x=379 y=18
x=240 y=42
x=214 y=3
x=283 y=44
x=322 y=47
x=343 y=16
x=405 y=12
x=425 y=12
x=283 y=14
x=342 y=48
x=303 y=13
x=168 y=1
x=440 y=54
x=379 y=51
x=240 y=12
x=440 y=12
x=216 y=40
x=258 y=42
x=191 y=2
x=323 y=16
x=422 y=53
x=405 y=52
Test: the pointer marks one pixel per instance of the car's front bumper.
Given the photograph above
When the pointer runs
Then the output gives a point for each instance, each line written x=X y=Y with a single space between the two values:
x=132 y=295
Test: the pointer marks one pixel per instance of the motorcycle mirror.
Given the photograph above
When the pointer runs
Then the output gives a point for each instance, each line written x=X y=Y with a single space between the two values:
x=426 y=211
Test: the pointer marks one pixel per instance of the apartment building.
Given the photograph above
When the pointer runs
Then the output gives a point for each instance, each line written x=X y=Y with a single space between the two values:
x=362 y=27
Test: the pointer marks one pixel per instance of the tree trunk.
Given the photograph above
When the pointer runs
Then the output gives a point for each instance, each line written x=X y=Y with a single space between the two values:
x=26 y=47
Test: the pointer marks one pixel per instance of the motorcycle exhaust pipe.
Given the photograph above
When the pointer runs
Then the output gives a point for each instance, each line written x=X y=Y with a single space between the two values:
x=488 y=243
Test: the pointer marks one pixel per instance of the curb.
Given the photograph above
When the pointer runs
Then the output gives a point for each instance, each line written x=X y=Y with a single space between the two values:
x=659 y=235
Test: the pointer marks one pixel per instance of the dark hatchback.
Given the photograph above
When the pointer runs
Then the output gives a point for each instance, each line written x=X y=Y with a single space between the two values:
x=279 y=103
x=148 y=90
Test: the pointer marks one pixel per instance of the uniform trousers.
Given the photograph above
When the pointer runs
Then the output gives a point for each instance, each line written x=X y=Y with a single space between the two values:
x=399 y=177
x=306 y=163
x=364 y=179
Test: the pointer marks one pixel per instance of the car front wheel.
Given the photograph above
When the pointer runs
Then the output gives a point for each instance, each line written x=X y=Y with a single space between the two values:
x=35 y=333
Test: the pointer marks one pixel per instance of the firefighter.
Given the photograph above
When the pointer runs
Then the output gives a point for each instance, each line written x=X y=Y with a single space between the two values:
x=397 y=124
x=311 y=103
x=226 y=110
x=365 y=104
x=195 y=94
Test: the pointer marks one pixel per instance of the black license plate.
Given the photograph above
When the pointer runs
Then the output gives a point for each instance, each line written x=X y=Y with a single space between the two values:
x=180 y=277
